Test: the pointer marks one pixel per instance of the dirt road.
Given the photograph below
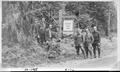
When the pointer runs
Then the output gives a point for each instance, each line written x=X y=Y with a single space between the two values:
x=103 y=62
x=108 y=59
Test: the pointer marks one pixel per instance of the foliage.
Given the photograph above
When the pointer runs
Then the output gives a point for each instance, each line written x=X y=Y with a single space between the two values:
x=98 y=11
x=21 y=21
x=20 y=17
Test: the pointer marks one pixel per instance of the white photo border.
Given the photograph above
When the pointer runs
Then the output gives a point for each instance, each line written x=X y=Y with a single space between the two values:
x=117 y=4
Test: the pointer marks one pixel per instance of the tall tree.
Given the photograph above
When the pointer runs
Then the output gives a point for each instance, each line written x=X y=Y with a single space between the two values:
x=97 y=10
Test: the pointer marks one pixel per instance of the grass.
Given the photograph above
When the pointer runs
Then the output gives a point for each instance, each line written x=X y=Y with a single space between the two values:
x=17 y=56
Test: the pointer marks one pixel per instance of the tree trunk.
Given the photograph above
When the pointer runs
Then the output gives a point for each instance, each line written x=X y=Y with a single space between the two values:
x=108 y=25
x=60 y=23
x=106 y=31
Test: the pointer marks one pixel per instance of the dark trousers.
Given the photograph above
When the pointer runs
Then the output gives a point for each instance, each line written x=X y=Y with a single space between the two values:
x=78 y=47
x=96 y=47
x=38 y=40
x=87 y=49
x=43 y=38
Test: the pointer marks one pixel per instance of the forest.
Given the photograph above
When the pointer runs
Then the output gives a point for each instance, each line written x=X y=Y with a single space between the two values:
x=21 y=21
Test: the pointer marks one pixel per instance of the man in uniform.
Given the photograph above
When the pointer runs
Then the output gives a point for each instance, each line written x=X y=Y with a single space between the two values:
x=96 y=43
x=88 y=42
x=78 y=41
x=49 y=33
x=41 y=33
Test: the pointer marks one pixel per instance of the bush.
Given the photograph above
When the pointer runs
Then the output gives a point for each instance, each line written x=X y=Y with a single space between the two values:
x=17 y=56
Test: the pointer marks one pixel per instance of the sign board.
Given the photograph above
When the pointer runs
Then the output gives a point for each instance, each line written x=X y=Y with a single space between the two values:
x=68 y=27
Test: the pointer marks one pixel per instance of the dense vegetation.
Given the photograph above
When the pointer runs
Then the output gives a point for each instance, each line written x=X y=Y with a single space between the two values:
x=22 y=19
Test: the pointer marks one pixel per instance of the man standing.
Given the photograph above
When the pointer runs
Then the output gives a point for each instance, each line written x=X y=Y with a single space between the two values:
x=78 y=41
x=96 y=43
x=41 y=33
x=49 y=33
x=88 y=42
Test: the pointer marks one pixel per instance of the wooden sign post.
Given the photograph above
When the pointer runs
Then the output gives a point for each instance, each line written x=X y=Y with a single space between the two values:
x=60 y=23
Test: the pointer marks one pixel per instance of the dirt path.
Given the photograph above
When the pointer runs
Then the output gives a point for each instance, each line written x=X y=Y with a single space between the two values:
x=103 y=62
x=109 y=57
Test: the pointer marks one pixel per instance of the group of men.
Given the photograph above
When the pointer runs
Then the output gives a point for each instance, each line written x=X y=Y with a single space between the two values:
x=44 y=35
x=87 y=41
